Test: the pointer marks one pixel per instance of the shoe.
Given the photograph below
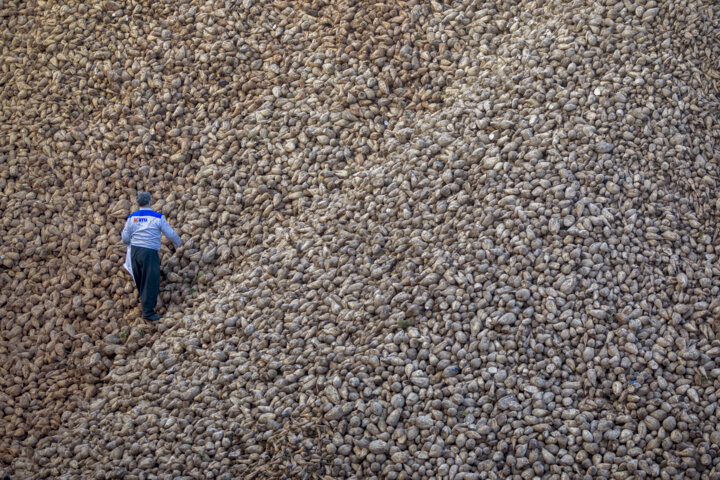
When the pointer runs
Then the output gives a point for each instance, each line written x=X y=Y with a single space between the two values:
x=154 y=318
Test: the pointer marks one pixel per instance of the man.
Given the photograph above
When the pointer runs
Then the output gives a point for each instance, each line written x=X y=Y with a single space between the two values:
x=142 y=234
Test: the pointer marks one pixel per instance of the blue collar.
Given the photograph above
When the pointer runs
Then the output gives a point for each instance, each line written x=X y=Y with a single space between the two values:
x=145 y=213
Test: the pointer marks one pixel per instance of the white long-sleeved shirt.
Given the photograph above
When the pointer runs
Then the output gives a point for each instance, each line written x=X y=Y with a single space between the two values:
x=144 y=228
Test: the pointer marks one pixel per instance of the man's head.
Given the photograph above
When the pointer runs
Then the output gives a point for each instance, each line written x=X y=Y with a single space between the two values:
x=143 y=199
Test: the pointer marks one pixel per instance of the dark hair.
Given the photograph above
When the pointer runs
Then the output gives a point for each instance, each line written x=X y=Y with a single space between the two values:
x=143 y=198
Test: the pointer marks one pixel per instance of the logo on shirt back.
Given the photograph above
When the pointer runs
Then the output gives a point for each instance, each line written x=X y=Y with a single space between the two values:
x=136 y=220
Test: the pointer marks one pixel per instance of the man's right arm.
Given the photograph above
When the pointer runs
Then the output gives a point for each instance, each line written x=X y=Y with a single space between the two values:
x=169 y=232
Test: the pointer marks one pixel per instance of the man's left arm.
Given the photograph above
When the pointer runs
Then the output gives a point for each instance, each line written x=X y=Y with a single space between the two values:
x=127 y=232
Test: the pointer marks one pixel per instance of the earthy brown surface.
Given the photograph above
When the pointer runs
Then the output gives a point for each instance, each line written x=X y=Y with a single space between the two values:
x=471 y=240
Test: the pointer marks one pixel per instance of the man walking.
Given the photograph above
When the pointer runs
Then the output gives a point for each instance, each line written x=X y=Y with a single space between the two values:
x=142 y=234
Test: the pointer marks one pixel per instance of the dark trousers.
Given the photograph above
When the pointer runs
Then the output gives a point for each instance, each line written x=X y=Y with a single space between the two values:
x=146 y=270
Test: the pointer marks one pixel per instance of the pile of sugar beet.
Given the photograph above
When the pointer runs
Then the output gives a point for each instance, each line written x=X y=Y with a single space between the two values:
x=463 y=239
